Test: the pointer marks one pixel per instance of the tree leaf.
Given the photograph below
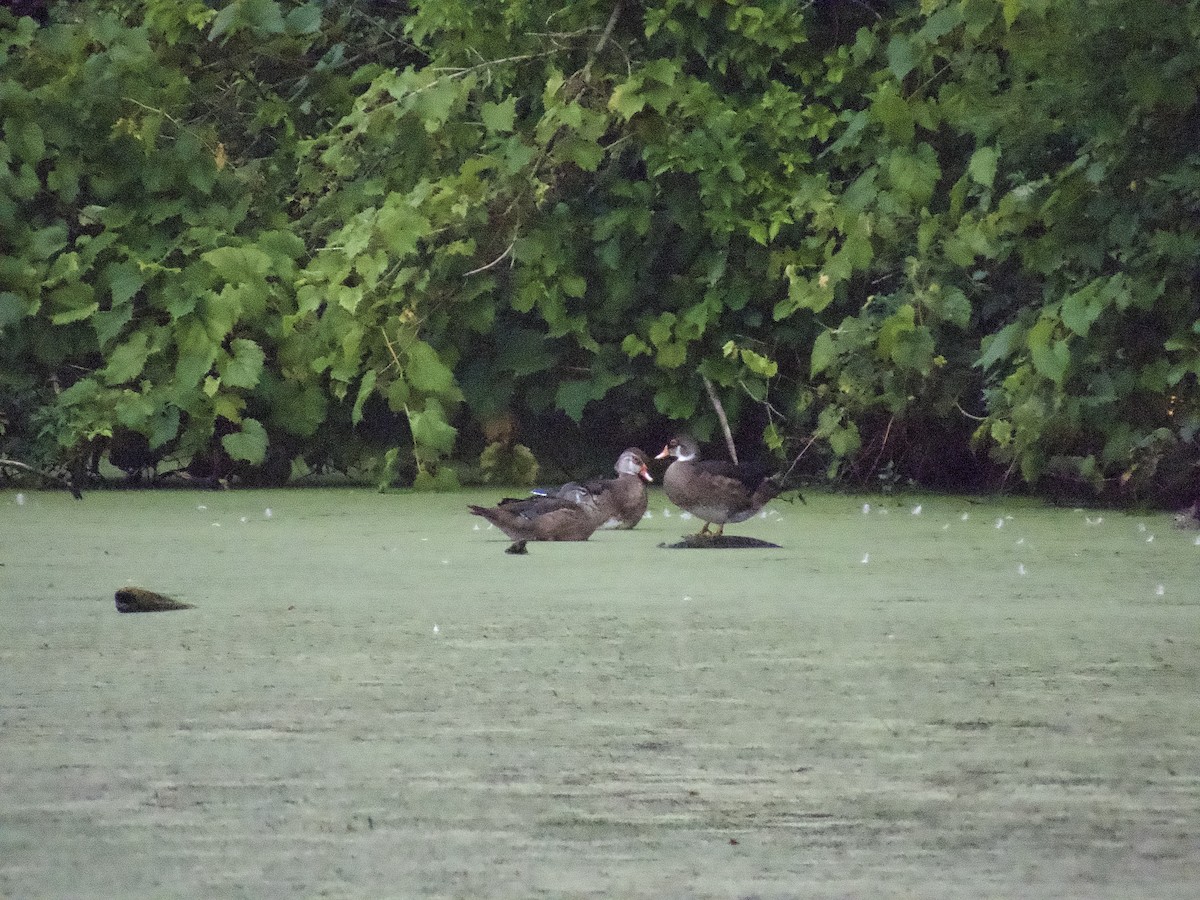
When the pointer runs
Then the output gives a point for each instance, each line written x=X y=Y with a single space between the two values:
x=425 y=371
x=1050 y=357
x=759 y=364
x=239 y=264
x=900 y=56
x=124 y=280
x=573 y=396
x=304 y=19
x=627 y=100
x=431 y=433
x=243 y=367
x=249 y=444
x=125 y=363
x=824 y=352
x=364 y=391
x=499 y=117
x=13 y=309
x=982 y=167
x=894 y=114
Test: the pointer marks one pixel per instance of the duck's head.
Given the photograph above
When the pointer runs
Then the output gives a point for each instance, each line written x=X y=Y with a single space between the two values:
x=683 y=448
x=634 y=462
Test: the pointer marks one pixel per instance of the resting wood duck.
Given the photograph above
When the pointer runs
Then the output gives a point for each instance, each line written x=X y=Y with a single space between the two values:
x=622 y=500
x=713 y=490
x=544 y=518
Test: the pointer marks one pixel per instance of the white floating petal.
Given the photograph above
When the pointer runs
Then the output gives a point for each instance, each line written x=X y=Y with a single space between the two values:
x=866 y=558
x=916 y=510
x=866 y=508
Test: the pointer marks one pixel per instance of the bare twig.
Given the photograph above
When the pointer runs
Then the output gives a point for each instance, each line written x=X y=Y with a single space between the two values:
x=970 y=416
x=391 y=349
x=604 y=36
x=507 y=250
x=812 y=440
x=882 y=445
x=174 y=121
x=716 y=402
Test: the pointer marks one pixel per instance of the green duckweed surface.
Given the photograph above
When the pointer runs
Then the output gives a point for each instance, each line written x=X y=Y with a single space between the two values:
x=371 y=699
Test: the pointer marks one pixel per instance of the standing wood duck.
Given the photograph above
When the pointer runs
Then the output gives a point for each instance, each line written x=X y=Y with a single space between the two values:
x=713 y=490
x=544 y=518
x=622 y=499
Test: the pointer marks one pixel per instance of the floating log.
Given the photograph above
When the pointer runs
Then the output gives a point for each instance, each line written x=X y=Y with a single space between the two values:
x=136 y=600
x=720 y=542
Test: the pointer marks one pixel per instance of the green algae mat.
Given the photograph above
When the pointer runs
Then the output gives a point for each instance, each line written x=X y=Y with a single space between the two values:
x=921 y=697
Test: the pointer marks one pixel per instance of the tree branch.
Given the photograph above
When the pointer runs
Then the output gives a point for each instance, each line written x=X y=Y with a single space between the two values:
x=716 y=402
x=494 y=262
x=604 y=36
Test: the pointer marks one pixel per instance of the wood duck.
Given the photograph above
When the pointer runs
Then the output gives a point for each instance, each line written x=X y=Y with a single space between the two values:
x=544 y=518
x=713 y=490
x=1188 y=518
x=622 y=499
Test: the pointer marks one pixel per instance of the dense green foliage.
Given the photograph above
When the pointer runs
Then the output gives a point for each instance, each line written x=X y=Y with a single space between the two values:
x=950 y=240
